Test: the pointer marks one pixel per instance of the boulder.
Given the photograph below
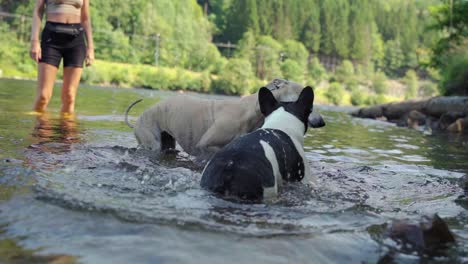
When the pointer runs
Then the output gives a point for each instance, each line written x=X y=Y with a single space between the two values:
x=461 y=125
x=415 y=119
x=431 y=233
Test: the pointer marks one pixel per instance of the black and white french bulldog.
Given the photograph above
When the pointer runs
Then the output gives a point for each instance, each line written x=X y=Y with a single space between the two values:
x=253 y=166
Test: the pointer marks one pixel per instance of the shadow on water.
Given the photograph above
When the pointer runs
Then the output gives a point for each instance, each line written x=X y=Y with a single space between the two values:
x=77 y=186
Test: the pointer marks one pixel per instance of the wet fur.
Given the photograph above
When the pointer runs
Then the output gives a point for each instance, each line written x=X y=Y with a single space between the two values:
x=253 y=166
x=203 y=126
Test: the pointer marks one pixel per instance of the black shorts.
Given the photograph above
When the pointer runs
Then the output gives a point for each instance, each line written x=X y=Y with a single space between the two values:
x=58 y=44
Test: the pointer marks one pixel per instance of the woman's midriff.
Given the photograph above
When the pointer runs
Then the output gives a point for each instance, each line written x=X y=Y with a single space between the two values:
x=63 y=18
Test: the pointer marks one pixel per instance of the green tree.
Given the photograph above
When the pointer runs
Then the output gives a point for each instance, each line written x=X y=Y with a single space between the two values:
x=235 y=78
x=242 y=16
x=267 y=17
x=308 y=30
x=454 y=74
x=246 y=46
x=267 y=58
x=335 y=27
x=379 y=83
x=316 y=70
x=296 y=51
x=282 y=23
x=345 y=71
x=394 y=57
x=292 y=71
x=378 y=50
x=361 y=37
x=335 y=93
x=450 y=52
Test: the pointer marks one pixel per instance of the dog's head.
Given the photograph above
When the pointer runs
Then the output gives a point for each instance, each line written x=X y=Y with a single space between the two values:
x=288 y=91
x=301 y=108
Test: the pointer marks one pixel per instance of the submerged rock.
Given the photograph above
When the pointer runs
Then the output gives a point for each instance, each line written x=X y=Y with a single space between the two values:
x=462 y=200
x=463 y=182
x=459 y=126
x=429 y=235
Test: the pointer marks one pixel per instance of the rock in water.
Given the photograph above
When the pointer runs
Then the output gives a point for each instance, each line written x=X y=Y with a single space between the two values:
x=429 y=235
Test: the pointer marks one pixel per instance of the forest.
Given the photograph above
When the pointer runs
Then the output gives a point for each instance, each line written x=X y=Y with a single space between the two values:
x=356 y=52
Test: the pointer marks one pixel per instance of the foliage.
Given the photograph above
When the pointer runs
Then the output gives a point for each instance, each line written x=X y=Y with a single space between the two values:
x=267 y=58
x=411 y=81
x=160 y=78
x=295 y=50
x=428 y=89
x=335 y=93
x=14 y=61
x=358 y=97
x=235 y=78
x=345 y=71
x=281 y=38
x=394 y=57
x=356 y=30
x=292 y=71
x=377 y=99
x=454 y=76
x=454 y=22
x=450 y=52
x=316 y=70
x=247 y=46
x=379 y=83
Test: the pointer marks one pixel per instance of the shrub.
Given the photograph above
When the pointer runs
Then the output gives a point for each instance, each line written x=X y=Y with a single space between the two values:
x=121 y=76
x=376 y=99
x=234 y=78
x=454 y=75
x=345 y=71
x=219 y=65
x=292 y=71
x=379 y=83
x=428 y=89
x=97 y=74
x=411 y=81
x=267 y=57
x=146 y=77
x=335 y=93
x=316 y=70
x=295 y=50
x=358 y=98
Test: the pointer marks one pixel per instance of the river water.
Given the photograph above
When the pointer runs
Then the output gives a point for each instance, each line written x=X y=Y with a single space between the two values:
x=76 y=186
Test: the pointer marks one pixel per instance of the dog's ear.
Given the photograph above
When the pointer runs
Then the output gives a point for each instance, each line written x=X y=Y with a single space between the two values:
x=306 y=99
x=267 y=101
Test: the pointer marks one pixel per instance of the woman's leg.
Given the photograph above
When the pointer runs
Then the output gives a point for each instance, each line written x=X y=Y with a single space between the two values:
x=71 y=80
x=45 y=86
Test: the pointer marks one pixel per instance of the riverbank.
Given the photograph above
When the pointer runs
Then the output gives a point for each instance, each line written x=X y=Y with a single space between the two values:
x=356 y=89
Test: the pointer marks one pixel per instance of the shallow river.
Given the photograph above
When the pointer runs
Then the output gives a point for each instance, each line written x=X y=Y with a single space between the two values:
x=76 y=186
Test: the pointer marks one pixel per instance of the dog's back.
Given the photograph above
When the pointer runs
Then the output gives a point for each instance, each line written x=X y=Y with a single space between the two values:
x=253 y=166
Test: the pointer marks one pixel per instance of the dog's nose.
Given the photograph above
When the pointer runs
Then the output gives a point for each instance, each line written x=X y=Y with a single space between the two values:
x=316 y=120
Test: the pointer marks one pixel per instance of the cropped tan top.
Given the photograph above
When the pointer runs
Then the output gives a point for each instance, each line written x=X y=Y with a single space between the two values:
x=64 y=6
